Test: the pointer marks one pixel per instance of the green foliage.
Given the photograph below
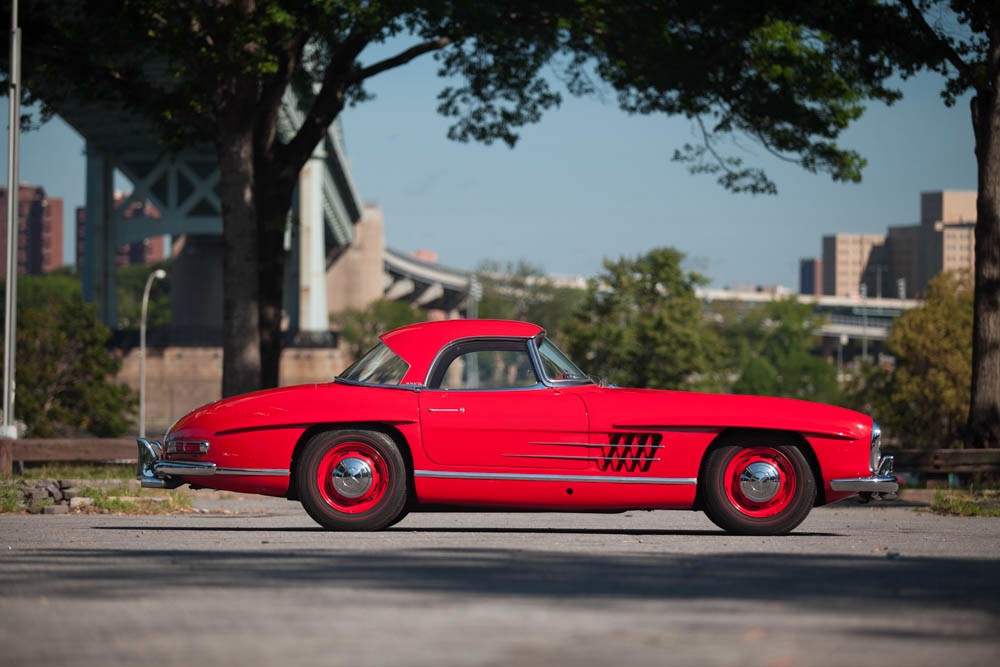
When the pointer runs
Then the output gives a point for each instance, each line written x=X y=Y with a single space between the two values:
x=981 y=502
x=641 y=324
x=777 y=355
x=10 y=498
x=523 y=292
x=80 y=470
x=131 y=282
x=64 y=371
x=360 y=329
x=123 y=500
x=924 y=401
x=216 y=73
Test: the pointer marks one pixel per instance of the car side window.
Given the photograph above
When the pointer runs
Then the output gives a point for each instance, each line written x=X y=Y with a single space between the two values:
x=486 y=365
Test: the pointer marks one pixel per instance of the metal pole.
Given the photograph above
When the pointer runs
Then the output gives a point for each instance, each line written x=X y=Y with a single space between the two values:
x=9 y=429
x=864 y=322
x=159 y=274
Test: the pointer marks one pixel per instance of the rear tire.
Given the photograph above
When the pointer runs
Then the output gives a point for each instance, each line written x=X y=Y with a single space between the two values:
x=761 y=486
x=353 y=480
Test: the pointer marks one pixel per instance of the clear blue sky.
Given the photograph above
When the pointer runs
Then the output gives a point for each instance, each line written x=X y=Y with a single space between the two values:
x=590 y=182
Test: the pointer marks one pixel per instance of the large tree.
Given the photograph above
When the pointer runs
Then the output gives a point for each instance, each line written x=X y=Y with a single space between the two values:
x=924 y=400
x=961 y=40
x=790 y=75
x=777 y=345
x=641 y=324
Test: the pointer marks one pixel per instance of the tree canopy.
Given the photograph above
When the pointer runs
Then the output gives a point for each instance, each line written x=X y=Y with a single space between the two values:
x=216 y=72
x=521 y=291
x=641 y=324
x=776 y=354
x=924 y=399
x=65 y=373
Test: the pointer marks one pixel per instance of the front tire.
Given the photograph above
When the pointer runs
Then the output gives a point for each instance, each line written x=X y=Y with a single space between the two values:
x=760 y=486
x=352 y=480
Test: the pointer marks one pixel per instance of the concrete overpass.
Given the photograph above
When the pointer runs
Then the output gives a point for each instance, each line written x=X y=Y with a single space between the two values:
x=854 y=317
x=182 y=187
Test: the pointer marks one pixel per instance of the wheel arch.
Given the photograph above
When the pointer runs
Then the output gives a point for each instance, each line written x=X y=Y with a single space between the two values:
x=381 y=427
x=733 y=436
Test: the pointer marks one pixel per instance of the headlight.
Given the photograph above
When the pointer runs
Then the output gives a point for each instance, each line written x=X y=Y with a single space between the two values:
x=876 y=450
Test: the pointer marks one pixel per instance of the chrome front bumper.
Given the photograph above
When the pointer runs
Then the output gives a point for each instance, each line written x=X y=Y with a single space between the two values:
x=155 y=473
x=882 y=482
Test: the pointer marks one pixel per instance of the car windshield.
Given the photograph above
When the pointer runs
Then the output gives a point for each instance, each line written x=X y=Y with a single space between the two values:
x=557 y=366
x=379 y=366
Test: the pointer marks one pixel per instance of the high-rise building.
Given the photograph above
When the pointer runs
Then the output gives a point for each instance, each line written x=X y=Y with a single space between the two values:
x=39 y=231
x=846 y=259
x=146 y=251
x=945 y=240
x=811 y=275
x=901 y=263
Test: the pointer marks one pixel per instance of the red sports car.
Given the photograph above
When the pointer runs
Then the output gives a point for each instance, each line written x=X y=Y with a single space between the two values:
x=487 y=414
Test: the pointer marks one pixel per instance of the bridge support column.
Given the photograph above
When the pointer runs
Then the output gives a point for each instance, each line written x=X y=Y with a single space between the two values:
x=313 y=311
x=100 y=234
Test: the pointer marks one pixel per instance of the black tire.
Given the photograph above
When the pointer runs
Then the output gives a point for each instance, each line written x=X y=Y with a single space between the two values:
x=353 y=480
x=761 y=486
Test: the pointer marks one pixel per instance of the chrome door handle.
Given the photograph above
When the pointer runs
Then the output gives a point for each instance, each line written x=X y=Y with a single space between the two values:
x=445 y=409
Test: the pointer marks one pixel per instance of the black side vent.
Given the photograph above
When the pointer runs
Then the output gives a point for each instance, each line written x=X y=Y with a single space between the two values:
x=631 y=452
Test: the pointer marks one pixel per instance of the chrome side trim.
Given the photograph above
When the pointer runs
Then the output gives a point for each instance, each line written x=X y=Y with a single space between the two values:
x=253 y=472
x=527 y=477
x=598 y=445
x=198 y=469
x=579 y=458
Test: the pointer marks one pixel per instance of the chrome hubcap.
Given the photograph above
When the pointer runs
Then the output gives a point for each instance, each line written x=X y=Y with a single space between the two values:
x=760 y=481
x=352 y=477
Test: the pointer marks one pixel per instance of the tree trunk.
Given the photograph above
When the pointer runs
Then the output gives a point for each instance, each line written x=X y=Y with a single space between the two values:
x=274 y=207
x=241 y=368
x=984 y=409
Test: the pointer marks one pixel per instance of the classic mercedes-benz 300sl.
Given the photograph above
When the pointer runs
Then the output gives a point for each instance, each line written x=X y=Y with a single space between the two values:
x=490 y=415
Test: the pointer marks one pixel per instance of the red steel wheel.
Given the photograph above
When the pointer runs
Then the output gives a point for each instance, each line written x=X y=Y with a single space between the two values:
x=761 y=486
x=352 y=480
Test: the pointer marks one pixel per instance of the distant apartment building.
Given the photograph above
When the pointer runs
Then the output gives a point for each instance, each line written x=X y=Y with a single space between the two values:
x=39 y=231
x=811 y=276
x=945 y=240
x=146 y=251
x=900 y=263
x=846 y=259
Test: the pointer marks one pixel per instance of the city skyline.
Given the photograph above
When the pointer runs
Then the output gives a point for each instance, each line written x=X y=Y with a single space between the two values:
x=589 y=182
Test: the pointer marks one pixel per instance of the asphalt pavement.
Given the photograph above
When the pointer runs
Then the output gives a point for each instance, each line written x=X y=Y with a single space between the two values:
x=253 y=581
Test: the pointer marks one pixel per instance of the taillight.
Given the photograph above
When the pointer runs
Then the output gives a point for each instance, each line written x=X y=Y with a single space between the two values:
x=186 y=447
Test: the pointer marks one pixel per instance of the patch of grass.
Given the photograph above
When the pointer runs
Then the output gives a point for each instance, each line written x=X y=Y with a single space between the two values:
x=122 y=500
x=10 y=499
x=973 y=502
x=122 y=471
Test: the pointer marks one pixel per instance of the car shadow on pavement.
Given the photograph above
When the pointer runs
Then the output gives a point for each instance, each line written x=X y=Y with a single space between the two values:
x=636 y=532
x=815 y=582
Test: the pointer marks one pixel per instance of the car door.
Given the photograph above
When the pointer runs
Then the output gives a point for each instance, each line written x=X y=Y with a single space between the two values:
x=485 y=406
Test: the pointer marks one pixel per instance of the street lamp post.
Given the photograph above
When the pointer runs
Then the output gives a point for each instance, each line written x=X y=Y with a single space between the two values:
x=9 y=429
x=159 y=274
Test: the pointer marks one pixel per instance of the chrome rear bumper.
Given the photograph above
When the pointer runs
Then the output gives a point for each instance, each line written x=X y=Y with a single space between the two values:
x=155 y=473
x=882 y=482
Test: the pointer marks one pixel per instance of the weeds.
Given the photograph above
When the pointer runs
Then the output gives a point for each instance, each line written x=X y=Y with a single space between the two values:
x=972 y=502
